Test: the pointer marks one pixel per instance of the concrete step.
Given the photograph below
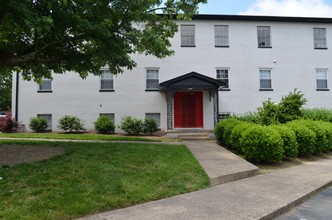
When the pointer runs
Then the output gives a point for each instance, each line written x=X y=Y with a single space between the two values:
x=185 y=136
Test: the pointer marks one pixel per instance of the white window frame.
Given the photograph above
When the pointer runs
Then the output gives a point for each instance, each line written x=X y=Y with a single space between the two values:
x=261 y=79
x=48 y=118
x=155 y=116
x=264 y=37
x=42 y=85
x=320 y=41
x=103 y=72
x=187 y=32
x=152 y=79
x=223 y=79
x=319 y=78
x=221 y=36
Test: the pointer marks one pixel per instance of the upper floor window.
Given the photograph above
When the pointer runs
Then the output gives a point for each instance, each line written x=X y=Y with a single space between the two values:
x=320 y=38
x=152 y=79
x=106 y=81
x=321 y=79
x=187 y=35
x=264 y=36
x=222 y=75
x=221 y=36
x=45 y=85
x=265 y=79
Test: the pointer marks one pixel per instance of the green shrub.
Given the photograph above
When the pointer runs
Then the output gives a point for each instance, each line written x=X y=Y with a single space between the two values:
x=38 y=124
x=327 y=126
x=262 y=144
x=131 y=125
x=224 y=128
x=70 y=123
x=322 y=141
x=290 y=106
x=317 y=114
x=104 y=125
x=305 y=137
x=289 y=138
x=236 y=136
x=150 y=126
x=269 y=113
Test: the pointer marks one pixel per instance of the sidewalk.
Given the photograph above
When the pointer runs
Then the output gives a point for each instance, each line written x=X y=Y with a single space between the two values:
x=260 y=197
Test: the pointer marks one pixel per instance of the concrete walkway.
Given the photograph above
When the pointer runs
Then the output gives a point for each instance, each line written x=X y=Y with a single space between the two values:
x=259 y=197
x=220 y=165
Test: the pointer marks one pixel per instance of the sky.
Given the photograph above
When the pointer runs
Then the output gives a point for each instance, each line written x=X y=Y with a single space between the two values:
x=298 y=8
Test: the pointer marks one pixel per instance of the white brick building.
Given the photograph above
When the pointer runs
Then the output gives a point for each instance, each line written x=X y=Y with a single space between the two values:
x=222 y=65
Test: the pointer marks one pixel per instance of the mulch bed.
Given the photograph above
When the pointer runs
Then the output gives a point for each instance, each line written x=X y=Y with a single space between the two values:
x=12 y=155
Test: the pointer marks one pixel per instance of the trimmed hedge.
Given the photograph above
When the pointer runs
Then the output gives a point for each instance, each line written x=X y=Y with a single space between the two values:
x=235 y=137
x=305 y=137
x=268 y=144
x=288 y=136
x=262 y=144
x=224 y=129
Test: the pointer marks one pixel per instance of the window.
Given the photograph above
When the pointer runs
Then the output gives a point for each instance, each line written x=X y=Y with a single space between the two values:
x=45 y=85
x=109 y=115
x=48 y=118
x=222 y=75
x=321 y=79
x=155 y=116
x=224 y=115
x=320 y=38
x=106 y=81
x=187 y=35
x=152 y=79
x=221 y=36
x=264 y=36
x=265 y=79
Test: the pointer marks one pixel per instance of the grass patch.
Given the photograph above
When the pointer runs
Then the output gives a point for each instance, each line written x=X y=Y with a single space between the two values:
x=95 y=177
x=75 y=136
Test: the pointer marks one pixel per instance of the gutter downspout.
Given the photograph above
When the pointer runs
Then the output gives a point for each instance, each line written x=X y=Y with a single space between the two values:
x=16 y=97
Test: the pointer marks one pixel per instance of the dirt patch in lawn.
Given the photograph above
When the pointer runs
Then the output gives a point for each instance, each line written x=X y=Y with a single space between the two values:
x=12 y=155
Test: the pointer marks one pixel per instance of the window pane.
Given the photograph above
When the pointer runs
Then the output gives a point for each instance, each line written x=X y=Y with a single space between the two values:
x=221 y=35
x=152 y=79
x=320 y=37
x=222 y=75
x=187 y=35
x=321 y=79
x=106 y=80
x=264 y=36
x=321 y=84
x=46 y=84
x=265 y=79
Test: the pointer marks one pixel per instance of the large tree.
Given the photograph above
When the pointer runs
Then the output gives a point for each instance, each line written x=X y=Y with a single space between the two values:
x=37 y=36
x=5 y=92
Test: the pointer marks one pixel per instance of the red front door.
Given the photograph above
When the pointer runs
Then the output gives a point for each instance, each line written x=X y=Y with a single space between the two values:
x=188 y=109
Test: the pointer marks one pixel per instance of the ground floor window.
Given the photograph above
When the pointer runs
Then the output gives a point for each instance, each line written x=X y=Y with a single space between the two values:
x=223 y=115
x=155 y=116
x=109 y=115
x=48 y=118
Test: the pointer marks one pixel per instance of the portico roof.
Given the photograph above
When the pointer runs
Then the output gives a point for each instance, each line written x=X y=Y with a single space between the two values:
x=191 y=81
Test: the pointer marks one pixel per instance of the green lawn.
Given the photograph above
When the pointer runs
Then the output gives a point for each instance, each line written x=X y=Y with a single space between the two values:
x=74 y=136
x=95 y=177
